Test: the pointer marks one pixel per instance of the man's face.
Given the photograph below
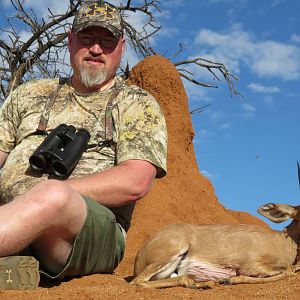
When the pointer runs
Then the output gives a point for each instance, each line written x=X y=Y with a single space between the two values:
x=95 y=56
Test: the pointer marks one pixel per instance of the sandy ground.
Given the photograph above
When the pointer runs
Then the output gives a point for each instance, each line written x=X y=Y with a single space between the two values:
x=184 y=195
x=116 y=287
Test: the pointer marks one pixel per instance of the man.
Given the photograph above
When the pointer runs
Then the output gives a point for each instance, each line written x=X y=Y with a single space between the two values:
x=77 y=226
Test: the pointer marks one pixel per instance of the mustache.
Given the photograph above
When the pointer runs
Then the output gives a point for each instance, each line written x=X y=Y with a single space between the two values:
x=97 y=58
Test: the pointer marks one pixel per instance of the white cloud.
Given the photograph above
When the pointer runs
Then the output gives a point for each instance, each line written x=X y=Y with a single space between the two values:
x=196 y=141
x=248 y=108
x=274 y=59
x=130 y=57
x=41 y=6
x=168 y=32
x=248 y=111
x=263 y=89
x=264 y=58
x=137 y=20
x=269 y=100
x=198 y=97
x=173 y=3
x=205 y=134
x=276 y=2
x=225 y=126
x=295 y=38
x=219 y=1
x=207 y=174
x=217 y=116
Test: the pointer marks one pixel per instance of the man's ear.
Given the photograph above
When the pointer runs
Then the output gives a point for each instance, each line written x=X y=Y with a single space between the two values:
x=123 y=45
x=70 y=39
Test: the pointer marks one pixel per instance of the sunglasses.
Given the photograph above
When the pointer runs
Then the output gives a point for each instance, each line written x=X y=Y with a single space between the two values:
x=104 y=42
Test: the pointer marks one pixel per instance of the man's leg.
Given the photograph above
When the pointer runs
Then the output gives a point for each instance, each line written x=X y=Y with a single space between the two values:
x=48 y=216
x=98 y=248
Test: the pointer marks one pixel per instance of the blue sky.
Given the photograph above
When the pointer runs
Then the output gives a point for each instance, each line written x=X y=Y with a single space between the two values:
x=247 y=146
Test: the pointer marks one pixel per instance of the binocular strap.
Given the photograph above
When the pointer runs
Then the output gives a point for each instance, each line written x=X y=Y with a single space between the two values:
x=45 y=115
x=109 y=126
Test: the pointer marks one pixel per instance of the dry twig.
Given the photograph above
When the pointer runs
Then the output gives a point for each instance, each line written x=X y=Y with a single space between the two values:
x=43 y=52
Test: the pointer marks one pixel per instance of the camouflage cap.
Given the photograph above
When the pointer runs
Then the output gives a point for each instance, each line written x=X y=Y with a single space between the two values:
x=98 y=13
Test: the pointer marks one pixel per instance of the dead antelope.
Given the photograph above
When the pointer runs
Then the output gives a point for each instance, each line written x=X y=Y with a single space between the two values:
x=188 y=255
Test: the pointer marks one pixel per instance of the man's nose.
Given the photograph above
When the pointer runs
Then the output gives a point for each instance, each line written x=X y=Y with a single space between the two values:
x=96 y=48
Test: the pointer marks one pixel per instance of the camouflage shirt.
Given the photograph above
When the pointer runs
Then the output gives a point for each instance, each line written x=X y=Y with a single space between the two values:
x=139 y=132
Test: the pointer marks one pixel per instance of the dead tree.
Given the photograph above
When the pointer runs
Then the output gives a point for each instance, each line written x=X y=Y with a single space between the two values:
x=42 y=53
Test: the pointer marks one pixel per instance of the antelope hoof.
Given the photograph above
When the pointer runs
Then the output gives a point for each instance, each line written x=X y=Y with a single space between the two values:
x=188 y=283
x=296 y=268
x=206 y=286
x=225 y=281
x=141 y=285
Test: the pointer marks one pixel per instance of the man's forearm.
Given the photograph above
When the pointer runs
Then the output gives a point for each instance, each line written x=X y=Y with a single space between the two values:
x=117 y=186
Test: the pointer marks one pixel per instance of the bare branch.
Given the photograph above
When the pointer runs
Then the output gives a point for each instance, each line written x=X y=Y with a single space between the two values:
x=211 y=67
x=199 y=109
x=192 y=80
x=43 y=53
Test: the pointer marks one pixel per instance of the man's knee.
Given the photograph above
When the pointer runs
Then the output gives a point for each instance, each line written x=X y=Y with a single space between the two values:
x=52 y=195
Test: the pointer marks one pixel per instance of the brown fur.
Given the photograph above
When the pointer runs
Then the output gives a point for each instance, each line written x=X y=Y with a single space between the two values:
x=255 y=253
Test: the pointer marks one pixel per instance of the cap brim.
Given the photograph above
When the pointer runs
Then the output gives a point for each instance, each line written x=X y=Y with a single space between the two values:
x=115 y=31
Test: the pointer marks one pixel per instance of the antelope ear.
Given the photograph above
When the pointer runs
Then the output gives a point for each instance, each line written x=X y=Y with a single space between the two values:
x=278 y=213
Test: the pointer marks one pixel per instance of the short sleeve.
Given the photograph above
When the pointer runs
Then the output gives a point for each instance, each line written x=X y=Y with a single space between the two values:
x=8 y=122
x=142 y=130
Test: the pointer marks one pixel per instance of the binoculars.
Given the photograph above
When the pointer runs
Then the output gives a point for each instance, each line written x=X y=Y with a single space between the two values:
x=60 y=151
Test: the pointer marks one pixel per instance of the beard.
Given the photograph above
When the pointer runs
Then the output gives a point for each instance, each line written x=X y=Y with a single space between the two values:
x=91 y=77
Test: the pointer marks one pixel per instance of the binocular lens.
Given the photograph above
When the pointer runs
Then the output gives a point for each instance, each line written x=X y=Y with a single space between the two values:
x=59 y=169
x=60 y=151
x=83 y=133
x=38 y=162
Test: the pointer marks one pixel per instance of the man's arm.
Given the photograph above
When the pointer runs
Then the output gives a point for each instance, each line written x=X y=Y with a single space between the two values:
x=3 y=157
x=120 y=185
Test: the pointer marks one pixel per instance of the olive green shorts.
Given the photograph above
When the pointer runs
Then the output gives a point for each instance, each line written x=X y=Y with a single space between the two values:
x=98 y=247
